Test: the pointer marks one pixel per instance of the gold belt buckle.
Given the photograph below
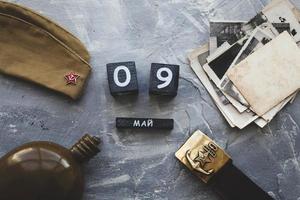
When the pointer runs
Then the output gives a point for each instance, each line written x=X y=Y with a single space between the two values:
x=203 y=156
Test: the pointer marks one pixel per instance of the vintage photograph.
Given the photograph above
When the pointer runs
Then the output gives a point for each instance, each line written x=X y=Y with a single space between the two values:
x=231 y=42
x=258 y=39
x=224 y=31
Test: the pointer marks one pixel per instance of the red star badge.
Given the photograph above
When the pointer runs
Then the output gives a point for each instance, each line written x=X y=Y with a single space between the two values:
x=71 y=78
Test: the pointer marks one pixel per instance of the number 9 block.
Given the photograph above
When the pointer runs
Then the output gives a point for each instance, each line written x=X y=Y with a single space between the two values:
x=164 y=79
x=122 y=78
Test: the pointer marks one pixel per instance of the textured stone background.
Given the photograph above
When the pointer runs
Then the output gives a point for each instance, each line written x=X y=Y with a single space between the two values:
x=141 y=164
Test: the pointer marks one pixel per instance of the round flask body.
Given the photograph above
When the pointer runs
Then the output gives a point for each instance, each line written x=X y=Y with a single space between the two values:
x=40 y=171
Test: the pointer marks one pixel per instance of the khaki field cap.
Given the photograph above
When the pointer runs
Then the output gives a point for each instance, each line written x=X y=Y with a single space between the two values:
x=36 y=49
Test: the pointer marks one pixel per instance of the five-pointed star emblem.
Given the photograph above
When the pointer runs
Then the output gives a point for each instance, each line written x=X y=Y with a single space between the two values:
x=203 y=158
x=71 y=78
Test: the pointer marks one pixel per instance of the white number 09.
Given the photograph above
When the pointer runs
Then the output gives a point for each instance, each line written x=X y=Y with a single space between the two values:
x=116 y=78
x=167 y=80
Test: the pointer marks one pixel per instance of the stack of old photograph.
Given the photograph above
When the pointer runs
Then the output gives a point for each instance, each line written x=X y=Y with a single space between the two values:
x=252 y=69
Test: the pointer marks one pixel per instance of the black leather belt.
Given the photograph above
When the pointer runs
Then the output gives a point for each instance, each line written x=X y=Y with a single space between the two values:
x=214 y=166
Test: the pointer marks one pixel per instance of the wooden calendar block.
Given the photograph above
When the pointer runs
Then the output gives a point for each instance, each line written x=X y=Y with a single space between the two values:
x=144 y=123
x=164 y=79
x=122 y=78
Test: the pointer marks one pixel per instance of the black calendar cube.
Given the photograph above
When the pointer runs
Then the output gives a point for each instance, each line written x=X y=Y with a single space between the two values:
x=164 y=79
x=122 y=78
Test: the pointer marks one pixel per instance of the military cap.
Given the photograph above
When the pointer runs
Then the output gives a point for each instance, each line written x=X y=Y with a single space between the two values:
x=35 y=49
x=48 y=25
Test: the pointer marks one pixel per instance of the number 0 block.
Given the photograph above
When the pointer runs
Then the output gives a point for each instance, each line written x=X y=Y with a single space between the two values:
x=122 y=78
x=164 y=79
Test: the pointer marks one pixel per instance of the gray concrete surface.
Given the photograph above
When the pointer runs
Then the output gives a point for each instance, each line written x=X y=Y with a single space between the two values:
x=141 y=164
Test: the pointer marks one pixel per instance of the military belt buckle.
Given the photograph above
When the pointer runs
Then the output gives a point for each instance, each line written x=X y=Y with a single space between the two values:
x=202 y=156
